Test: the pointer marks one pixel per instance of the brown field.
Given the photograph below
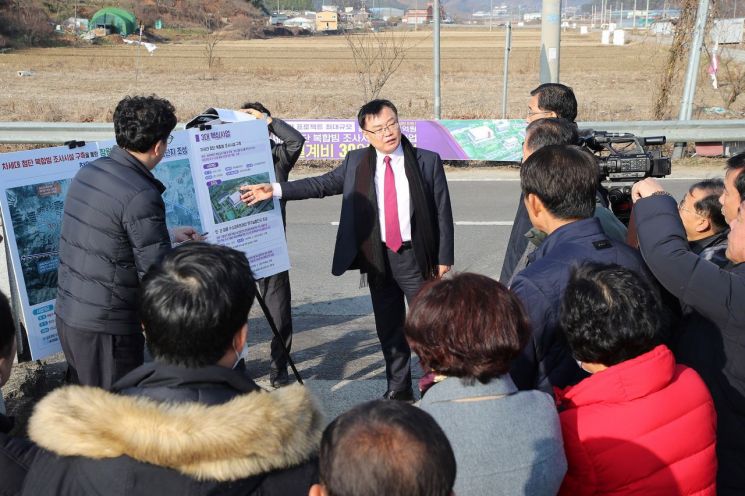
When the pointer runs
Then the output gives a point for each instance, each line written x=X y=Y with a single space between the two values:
x=314 y=77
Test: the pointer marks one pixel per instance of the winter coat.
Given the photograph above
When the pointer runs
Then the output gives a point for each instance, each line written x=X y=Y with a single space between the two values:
x=506 y=442
x=520 y=244
x=712 y=337
x=644 y=426
x=286 y=153
x=113 y=230
x=546 y=361
x=173 y=430
x=16 y=455
x=713 y=248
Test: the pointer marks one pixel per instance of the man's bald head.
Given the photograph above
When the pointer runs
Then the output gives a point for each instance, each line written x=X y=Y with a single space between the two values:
x=386 y=447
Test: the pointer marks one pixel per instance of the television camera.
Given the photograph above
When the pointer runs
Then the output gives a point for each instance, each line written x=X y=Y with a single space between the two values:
x=624 y=159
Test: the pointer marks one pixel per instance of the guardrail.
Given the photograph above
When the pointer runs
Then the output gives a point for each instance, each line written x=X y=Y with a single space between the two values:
x=51 y=133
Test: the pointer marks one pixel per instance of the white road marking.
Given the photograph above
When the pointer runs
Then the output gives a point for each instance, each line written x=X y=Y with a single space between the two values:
x=470 y=223
x=483 y=223
x=483 y=180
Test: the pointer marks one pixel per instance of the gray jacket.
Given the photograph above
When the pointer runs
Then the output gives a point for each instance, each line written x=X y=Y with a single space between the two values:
x=505 y=442
x=113 y=230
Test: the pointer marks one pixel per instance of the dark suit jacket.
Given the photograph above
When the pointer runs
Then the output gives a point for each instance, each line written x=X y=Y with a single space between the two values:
x=342 y=180
x=285 y=154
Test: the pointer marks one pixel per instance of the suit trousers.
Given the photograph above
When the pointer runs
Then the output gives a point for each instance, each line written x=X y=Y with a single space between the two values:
x=403 y=281
x=99 y=359
x=277 y=295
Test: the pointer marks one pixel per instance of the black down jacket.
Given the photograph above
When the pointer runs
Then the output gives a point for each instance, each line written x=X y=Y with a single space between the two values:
x=113 y=230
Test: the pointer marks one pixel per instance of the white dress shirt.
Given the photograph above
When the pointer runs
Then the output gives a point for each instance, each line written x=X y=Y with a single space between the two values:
x=402 y=192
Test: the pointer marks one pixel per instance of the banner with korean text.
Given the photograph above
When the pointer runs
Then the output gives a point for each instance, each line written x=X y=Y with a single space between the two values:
x=482 y=139
x=202 y=171
x=223 y=158
x=33 y=185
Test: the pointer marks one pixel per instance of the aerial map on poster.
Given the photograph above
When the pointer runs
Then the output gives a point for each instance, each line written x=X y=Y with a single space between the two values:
x=175 y=173
x=33 y=185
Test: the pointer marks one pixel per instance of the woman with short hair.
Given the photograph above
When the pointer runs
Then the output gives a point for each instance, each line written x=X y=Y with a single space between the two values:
x=468 y=329
x=640 y=424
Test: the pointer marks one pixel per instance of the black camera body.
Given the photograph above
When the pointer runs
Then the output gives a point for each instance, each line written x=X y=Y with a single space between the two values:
x=630 y=164
x=623 y=159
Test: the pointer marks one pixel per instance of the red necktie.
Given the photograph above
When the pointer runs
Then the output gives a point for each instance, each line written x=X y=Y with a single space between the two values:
x=392 y=227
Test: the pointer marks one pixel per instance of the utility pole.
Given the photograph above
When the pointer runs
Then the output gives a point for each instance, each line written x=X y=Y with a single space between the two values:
x=550 y=40
x=507 y=48
x=436 y=18
x=694 y=58
x=646 y=16
x=491 y=13
x=633 y=17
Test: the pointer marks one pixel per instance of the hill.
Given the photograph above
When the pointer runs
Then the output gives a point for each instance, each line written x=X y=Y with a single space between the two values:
x=32 y=22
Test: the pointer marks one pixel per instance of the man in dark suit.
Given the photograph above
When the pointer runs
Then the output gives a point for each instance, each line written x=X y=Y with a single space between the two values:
x=276 y=288
x=396 y=225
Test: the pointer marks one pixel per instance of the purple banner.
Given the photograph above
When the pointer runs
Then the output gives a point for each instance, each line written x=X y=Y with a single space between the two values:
x=496 y=140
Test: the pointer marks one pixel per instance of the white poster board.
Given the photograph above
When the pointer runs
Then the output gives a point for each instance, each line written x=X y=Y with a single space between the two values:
x=201 y=170
x=33 y=186
x=224 y=157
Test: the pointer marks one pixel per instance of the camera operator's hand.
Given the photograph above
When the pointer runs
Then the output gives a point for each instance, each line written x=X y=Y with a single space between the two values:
x=645 y=188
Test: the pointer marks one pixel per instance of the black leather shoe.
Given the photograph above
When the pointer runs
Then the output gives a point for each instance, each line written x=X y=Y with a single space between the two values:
x=407 y=396
x=278 y=377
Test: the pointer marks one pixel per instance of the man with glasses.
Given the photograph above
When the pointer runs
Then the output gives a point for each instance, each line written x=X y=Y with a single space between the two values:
x=552 y=100
x=710 y=336
x=396 y=226
x=113 y=230
x=275 y=289
x=703 y=221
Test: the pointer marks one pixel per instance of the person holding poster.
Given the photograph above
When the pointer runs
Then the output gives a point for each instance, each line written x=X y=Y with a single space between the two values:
x=396 y=226
x=113 y=230
x=276 y=289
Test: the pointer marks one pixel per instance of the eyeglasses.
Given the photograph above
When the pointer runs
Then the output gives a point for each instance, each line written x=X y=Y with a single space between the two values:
x=390 y=128
x=540 y=112
x=681 y=208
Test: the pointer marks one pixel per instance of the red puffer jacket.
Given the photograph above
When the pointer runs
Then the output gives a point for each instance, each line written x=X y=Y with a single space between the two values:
x=645 y=426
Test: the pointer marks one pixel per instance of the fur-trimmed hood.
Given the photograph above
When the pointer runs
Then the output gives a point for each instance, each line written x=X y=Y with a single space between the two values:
x=251 y=434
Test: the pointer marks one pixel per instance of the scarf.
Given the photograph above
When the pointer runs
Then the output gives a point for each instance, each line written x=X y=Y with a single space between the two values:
x=424 y=231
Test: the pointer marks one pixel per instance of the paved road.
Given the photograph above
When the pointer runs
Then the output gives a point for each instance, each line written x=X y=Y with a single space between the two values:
x=335 y=347
x=335 y=343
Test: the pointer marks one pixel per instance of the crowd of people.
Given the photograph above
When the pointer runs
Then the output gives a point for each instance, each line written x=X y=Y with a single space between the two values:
x=607 y=360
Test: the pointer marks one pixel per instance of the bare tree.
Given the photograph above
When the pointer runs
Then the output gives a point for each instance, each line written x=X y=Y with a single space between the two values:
x=377 y=56
x=211 y=41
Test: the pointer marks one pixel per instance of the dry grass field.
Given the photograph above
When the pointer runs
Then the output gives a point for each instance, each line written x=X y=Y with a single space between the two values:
x=314 y=77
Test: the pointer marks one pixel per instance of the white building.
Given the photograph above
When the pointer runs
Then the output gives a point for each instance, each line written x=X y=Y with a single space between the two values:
x=301 y=22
